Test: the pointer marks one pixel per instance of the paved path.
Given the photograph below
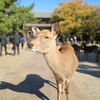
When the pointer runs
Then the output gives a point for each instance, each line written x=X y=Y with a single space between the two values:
x=27 y=77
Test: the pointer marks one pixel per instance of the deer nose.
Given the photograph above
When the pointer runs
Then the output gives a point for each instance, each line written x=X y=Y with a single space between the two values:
x=31 y=45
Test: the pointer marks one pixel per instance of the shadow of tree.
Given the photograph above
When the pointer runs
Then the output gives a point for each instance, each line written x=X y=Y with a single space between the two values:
x=92 y=70
x=32 y=84
x=91 y=57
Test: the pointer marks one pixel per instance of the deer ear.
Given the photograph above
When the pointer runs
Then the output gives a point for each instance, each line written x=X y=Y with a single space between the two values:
x=35 y=30
x=55 y=29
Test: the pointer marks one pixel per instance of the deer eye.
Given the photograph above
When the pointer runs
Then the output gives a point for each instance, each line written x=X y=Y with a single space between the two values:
x=46 y=37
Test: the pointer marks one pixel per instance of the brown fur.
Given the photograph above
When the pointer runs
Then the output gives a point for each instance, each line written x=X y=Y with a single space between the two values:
x=62 y=63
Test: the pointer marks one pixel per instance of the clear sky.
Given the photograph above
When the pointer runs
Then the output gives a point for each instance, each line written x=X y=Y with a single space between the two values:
x=50 y=5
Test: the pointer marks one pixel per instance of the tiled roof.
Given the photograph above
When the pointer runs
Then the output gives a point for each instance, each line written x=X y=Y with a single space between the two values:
x=42 y=14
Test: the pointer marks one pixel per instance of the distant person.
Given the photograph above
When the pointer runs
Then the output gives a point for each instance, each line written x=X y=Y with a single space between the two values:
x=29 y=39
x=11 y=39
x=16 y=42
x=3 y=43
x=75 y=40
x=22 y=41
x=57 y=41
x=71 y=40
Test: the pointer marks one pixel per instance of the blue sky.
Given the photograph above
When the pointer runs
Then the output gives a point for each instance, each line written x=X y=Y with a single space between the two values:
x=50 y=5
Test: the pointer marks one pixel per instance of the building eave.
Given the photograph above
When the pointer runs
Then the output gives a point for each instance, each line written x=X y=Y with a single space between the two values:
x=38 y=25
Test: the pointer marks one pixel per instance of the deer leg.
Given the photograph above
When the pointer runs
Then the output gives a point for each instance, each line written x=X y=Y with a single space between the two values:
x=79 y=53
x=58 y=90
x=63 y=87
x=97 y=55
x=67 y=89
x=84 y=55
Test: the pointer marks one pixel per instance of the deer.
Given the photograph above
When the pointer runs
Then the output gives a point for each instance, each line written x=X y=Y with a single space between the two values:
x=77 y=49
x=90 y=49
x=62 y=63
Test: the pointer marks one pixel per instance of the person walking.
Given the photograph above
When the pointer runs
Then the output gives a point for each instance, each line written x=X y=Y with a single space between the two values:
x=16 y=42
x=75 y=40
x=29 y=39
x=22 y=41
x=3 y=43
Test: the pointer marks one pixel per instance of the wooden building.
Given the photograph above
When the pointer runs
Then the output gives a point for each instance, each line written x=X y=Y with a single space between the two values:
x=45 y=20
x=43 y=24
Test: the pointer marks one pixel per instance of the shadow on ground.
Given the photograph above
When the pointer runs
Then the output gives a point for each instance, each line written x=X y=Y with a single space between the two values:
x=89 y=66
x=32 y=84
x=87 y=69
x=91 y=57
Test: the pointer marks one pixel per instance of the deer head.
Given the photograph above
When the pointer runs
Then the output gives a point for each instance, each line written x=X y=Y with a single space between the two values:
x=44 y=39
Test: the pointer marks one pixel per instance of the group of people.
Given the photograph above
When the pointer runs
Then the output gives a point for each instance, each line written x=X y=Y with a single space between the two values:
x=73 y=40
x=16 y=40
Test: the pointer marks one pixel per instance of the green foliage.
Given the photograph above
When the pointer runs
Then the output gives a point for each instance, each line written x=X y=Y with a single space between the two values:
x=13 y=16
x=2 y=4
x=92 y=24
x=76 y=17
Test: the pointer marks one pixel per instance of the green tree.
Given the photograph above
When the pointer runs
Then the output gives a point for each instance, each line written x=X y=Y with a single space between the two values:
x=4 y=14
x=21 y=16
x=76 y=17
x=92 y=24
x=13 y=16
